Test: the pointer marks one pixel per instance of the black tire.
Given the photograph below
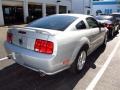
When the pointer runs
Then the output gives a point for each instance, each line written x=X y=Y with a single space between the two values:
x=112 y=33
x=74 y=67
x=117 y=30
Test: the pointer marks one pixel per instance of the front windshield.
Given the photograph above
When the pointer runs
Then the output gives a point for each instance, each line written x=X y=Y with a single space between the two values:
x=54 y=22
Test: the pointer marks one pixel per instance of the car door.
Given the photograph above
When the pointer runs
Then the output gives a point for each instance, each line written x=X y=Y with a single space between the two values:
x=81 y=27
x=93 y=26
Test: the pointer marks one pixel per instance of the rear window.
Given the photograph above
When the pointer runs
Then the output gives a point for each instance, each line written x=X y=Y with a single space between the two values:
x=54 y=22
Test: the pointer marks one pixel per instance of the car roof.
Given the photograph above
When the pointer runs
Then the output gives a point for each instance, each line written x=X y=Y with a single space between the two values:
x=105 y=16
x=116 y=13
x=76 y=15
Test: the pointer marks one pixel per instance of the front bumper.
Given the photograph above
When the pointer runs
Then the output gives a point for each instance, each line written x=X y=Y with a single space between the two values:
x=33 y=60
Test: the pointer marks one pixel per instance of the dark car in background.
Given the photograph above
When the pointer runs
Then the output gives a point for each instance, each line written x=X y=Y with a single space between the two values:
x=116 y=18
x=108 y=22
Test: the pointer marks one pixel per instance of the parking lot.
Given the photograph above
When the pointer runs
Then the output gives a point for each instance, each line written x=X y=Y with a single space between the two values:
x=101 y=72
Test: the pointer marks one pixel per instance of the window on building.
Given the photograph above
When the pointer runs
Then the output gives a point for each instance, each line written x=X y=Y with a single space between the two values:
x=13 y=14
x=98 y=12
x=96 y=0
x=88 y=12
x=7 y=11
x=108 y=11
x=50 y=10
x=118 y=10
x=62 y=9
x=35 y=11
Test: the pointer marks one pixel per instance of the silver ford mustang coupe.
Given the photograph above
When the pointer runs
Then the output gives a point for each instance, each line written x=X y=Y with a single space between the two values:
x=55 y=43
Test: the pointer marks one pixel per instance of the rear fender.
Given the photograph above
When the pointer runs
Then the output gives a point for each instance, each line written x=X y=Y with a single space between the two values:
x=82 y=42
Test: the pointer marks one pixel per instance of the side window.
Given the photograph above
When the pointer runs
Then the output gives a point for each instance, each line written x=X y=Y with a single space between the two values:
x=92 y=22
x=81 y=25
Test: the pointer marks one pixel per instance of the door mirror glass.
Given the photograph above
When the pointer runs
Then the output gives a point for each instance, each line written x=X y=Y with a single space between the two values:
x=101 y=24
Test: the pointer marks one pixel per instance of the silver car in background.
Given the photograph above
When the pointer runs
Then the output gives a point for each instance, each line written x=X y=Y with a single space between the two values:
x=116 y=17
x=110 y=23
x=55 y=43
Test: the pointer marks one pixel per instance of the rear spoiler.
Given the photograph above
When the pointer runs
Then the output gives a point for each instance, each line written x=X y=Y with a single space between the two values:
x=15 y=26
x=38 y=30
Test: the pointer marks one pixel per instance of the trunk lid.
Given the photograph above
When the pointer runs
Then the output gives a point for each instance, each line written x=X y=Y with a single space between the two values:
x=25 y=37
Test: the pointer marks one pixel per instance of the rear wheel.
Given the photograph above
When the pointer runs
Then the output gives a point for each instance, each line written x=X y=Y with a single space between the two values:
x=79 y=62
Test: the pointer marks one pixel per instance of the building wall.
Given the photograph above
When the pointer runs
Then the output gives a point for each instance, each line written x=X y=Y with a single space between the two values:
x=81 y=6
x=12 y=3
x=1 y=14
x=24 y=4
x=88 y=6
x=107 y=7
x=78 y=6
x=62 y=2
x=74 y=6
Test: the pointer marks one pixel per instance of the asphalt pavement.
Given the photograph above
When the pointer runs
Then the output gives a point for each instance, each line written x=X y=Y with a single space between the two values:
x=16 y=77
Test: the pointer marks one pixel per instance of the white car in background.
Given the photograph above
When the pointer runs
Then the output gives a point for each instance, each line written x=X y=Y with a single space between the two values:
x=55 y=43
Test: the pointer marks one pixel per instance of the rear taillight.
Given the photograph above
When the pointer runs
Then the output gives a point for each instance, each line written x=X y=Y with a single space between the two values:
x=105 y=24
x=108 y=25
x=43 y=46
x=9 y=37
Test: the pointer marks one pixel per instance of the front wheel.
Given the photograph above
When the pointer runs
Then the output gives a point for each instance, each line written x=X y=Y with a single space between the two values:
x=117 y=30
x=112 y=33
x=79 y=62
x=105 y=40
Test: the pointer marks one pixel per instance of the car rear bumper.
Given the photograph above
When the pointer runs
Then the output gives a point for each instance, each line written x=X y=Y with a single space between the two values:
x=33 y=60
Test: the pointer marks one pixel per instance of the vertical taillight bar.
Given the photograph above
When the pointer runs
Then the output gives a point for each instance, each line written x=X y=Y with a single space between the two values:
x=9 y=37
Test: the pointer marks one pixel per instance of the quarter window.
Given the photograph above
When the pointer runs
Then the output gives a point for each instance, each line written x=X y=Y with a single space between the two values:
x=81 y=25
x=92 y=22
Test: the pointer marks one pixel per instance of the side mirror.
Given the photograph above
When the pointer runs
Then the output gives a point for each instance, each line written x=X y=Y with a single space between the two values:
x=101 y=24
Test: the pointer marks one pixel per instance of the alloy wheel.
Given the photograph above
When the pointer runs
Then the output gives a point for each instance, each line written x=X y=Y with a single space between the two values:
x=81 y=60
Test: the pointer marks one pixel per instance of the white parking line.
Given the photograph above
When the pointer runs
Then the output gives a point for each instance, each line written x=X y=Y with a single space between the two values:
x=3 y=58
x=92 y=85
